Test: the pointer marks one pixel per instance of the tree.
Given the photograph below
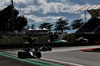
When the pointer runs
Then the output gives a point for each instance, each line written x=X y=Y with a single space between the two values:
x=6 y=20
x=32 y=26
x=46 y=25
x=20 y=22
x=27 y=27
x=76 y=23
x=62 y=25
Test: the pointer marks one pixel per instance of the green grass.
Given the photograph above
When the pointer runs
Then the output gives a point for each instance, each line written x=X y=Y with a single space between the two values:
x=43 y=39
x=19 y=39
x=13 y=40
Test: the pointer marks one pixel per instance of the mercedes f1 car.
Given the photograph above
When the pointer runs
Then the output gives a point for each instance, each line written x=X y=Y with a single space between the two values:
x=45 y=48
x=28 y=53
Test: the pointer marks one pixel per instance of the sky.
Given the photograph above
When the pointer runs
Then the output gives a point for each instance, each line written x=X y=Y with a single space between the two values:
x=39 y=11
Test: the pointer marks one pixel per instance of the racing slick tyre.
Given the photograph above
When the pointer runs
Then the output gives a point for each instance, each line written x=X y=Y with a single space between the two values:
x=36 y=49
x=38 y=54
x=21 y=55
x=49 y=49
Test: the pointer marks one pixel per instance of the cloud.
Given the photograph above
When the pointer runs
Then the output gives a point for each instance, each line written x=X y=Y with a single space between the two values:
x=4 y=3
x=82 y=2
x=88 y=16
x=43 y=19
x=45 y=7
x=54 y=7
x=38 y=11
x=44 y=11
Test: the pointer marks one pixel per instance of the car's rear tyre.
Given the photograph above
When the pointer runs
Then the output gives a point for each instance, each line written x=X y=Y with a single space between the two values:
x=38 y=54
x=50 y=49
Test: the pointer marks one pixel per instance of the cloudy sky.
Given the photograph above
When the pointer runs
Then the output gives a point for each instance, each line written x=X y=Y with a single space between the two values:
x=39 y=11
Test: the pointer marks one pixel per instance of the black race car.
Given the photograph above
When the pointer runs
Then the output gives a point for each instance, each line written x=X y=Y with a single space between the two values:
x=45 y=48
x=28 y=53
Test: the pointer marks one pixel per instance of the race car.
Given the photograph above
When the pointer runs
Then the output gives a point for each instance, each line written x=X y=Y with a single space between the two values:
x=28 y=53
x=45 y=48
x=61 y=41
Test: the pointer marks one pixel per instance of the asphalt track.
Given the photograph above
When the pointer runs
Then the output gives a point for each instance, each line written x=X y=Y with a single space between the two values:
x=6 y=61
x=63 y=56
x=73 y=56
x=35 y=62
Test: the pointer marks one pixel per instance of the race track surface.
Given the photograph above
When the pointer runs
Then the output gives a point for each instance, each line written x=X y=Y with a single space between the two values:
x=5 y=61
x=68 y=56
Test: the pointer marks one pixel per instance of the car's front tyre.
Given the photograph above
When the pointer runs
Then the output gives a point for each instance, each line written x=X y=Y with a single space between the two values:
x=21 y=55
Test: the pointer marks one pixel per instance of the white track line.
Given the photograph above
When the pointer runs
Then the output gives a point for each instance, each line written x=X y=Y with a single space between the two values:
x=62 y=62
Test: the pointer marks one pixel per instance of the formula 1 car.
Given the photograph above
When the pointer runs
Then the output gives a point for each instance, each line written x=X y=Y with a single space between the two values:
x=28 y=53
x=45 y=48
x=61 y=41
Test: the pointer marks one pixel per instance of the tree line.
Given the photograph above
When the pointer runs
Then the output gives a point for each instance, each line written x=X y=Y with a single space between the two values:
x=60 y=25
x=18 y=22
x=9 y=23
